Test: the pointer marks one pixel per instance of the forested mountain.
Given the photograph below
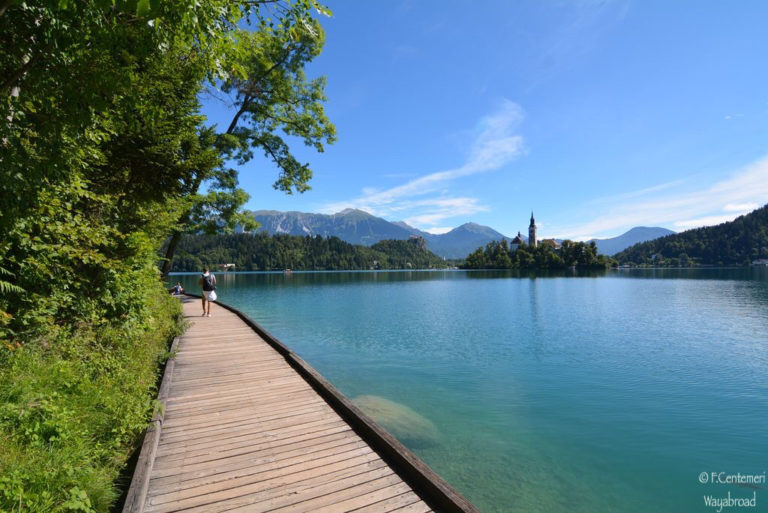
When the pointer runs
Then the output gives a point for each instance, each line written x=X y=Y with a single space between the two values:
x=359 y=227
x=630 y=238
x=499 y=255
x=737 y=242
x=263 y=252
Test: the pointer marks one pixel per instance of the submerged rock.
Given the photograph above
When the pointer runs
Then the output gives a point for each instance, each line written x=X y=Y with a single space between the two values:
x=412 y=429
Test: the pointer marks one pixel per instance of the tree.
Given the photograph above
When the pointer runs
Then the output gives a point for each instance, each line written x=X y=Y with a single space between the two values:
x=103 y=152
x=271 y=95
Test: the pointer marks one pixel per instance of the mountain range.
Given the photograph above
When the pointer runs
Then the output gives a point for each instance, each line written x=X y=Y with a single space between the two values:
x=634 y=236
x=359 y=227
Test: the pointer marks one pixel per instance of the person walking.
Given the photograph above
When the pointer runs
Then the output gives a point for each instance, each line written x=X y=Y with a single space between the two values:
x=208 y=282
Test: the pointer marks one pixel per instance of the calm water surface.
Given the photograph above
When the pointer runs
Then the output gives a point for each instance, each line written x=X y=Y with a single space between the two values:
x=609 y=392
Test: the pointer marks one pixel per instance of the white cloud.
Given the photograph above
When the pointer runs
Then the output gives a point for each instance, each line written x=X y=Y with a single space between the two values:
x=439 y=230
x=705 y=221
x=431 y=211
x=741 y=207
x=494 y=145
x=641 y=192
x=745 y=190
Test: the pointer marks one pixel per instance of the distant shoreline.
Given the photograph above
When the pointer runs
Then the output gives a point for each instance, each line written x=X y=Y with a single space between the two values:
x=533 y=271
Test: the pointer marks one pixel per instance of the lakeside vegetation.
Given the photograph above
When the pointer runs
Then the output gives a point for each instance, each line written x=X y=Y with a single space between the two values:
x=738 y=242
x=500 y=255
x=263 y=252
x=105 y=155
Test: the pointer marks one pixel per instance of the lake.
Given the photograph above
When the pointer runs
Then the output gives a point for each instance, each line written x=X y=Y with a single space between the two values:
x=607 y=391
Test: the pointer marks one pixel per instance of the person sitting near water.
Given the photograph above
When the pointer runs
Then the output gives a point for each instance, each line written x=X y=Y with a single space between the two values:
x=177 y=289
x=208 y=282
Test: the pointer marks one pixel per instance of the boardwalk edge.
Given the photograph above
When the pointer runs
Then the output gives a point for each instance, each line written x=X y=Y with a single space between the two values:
x=440 y=495
x=137 y=492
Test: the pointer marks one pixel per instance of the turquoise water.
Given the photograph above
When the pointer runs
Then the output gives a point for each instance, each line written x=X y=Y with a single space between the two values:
x=604 y=392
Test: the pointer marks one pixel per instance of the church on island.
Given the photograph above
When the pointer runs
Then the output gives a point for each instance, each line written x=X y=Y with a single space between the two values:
x=532 y=241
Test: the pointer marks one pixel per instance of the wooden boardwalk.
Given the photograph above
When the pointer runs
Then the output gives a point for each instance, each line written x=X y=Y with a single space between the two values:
x=242 y=430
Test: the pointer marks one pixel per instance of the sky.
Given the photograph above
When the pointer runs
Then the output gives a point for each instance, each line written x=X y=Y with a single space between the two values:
x=596 y=115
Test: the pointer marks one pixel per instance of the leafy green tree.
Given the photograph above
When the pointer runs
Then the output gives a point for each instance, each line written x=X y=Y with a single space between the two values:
x=272 y=96
x=103 y=153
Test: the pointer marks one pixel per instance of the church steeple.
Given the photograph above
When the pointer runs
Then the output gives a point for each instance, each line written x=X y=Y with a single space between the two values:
x=532 y=232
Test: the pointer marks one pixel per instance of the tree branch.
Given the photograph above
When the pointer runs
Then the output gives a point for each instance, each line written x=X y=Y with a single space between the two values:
x=4 y=5
x=248 y=98
x=243 y=108
x=271 y=153
x=19 y=73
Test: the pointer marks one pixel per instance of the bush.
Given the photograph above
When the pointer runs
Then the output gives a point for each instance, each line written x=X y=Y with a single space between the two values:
x=73 y=406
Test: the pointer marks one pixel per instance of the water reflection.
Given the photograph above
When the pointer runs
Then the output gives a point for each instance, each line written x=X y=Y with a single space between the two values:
x=337 y=277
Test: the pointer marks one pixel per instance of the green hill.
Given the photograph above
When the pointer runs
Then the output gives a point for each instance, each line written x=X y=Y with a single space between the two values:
x=737 y=242
x=501 y=255
x=262 y=252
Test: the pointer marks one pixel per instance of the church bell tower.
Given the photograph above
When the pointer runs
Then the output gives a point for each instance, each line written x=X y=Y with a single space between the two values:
x=532 y=233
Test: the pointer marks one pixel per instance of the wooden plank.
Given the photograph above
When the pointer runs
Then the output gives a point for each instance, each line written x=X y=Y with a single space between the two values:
x=272 y=387
x=221 y=388
x=221 y=352
x=262 y=500
x=257 y=408
x=313 y=493
x=416 y=507
x=298 y=398
x=219 y=429
x=230 y=399
x=207 y=339
x=250 y=447
x=261 y=415
x=189 y=422
x=244 y=363
x=236 y=463
x=344 y=492
x=207 y=382
x=299 y=482
x=275 y=434
x=315 y=467
x=244 y=438
x=397 y=487
x=189 y=483
x=163 y=462
x=391 y=504
x=240 y=486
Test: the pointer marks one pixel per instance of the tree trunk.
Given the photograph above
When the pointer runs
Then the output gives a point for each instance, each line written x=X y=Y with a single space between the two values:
x=175 y=238
x=4 y=5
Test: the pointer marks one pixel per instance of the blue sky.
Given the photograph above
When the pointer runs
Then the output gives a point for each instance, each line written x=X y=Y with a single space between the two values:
x=597 y=115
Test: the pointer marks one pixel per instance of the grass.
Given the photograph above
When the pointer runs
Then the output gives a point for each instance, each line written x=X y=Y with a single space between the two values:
x=73 y=409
